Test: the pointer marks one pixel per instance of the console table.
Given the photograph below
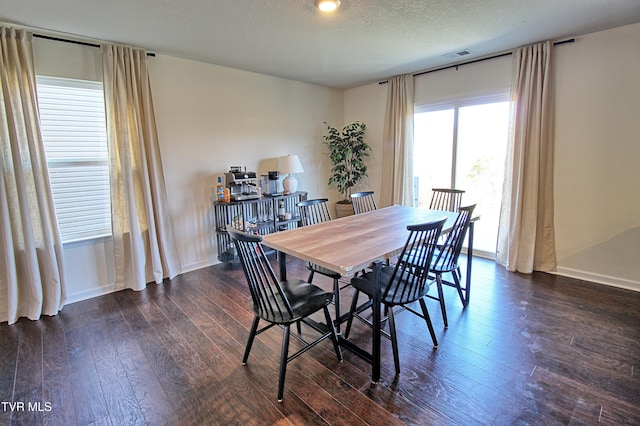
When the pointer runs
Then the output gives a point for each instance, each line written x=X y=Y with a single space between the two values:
x=259 y=216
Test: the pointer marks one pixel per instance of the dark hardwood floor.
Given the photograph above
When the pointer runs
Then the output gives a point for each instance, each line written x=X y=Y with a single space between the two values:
x=536 y=349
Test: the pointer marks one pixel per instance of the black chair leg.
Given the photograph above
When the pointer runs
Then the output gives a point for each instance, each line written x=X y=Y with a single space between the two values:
x=298 y=323
x=283 y=361
x=443 y=309
x=394 y=340
x=252 y=335
x=457 y=279
x=334 y=336
x=427 y=318
x=298 y=326
x=336 y=300
x=354 y=304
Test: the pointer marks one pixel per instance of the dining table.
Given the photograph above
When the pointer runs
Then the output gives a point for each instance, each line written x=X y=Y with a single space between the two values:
x=350 y=244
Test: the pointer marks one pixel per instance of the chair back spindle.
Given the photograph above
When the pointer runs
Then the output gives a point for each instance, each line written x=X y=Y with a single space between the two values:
x=314 y=211
x=409 y=280
x=363 y=202
x=446 y=199
x=449 y=252
x=267 y=296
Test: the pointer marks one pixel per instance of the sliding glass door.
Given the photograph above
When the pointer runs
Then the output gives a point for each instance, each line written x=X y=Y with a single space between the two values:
x=463 y=145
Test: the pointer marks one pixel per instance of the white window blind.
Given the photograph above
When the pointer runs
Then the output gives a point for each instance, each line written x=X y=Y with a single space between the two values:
x=72 y=120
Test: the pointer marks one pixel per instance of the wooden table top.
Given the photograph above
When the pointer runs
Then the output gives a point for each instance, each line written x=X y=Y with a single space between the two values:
x=349 y=244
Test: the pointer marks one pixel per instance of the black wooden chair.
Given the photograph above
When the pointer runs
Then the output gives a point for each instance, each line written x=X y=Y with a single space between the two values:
x=446 y=199
x=312 y=212
x=402 y=284
x=363 y=202
x=280 y=303
x=446 y=258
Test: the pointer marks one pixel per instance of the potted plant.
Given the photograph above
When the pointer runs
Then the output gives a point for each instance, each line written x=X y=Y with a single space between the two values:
x=348 y=151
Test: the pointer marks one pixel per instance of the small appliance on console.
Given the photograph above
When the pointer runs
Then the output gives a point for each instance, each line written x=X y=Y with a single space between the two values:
x=269 y=184
x=241 y=184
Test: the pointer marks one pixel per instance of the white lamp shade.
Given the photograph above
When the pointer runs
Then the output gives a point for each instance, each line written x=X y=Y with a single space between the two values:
x=290 y=164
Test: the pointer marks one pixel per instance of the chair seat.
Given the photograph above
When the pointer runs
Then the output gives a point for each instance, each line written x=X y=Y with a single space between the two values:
x=442 y=264
x=304 y=298
x=366 y=284
x=323 y=271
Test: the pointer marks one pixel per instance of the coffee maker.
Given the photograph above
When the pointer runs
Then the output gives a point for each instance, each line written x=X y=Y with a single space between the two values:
x=241 y=184
x=269 y=184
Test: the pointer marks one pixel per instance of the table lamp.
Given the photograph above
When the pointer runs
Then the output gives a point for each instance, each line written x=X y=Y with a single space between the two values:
x=290 y=164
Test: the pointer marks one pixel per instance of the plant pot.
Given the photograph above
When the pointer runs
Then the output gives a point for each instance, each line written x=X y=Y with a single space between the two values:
x=344 y=209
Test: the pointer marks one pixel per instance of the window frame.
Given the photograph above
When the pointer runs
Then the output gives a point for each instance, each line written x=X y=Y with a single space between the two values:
x=455 y=104
x=55 y=162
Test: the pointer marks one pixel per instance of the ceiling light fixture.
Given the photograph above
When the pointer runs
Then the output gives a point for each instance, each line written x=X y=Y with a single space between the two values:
x=327 y=5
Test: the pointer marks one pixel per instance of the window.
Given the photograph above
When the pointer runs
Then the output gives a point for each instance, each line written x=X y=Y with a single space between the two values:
x=72 y=120
x=463 y=145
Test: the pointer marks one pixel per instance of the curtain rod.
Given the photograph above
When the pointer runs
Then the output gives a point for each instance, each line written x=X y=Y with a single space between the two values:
x=82 y=43
x=500 y=55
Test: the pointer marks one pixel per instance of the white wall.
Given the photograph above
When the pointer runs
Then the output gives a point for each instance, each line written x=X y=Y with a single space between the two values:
x=597 y=155
x=367 y=104
x=209 y=118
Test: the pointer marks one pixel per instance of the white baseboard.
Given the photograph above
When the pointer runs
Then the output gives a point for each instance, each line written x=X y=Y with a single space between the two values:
x=599 y=278
x=110 y=288
x=198 y=265
x=89 y=294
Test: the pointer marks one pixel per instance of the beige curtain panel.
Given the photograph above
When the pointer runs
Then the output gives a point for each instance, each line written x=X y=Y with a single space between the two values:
x=31 y=258
x=397 y=143
x=526 y=236
x=142 y=232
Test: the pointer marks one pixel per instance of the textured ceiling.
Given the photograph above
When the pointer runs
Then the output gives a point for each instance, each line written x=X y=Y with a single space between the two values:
x=364 y=41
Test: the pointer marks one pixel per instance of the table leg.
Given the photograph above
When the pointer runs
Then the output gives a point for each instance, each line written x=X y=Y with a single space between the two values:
x=469 y=262
x=282 y=258
x=375 y=362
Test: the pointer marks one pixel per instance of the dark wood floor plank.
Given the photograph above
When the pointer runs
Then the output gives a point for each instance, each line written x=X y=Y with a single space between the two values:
x=120 y=399
x=424 y=381
x=218 y=332
x=56 y=382
x=28 y=378
x=154 y=403
x=88 y=396
x=529 y=349
x=209 y=373
x=212 y=356
x=168 y=369
x=9 y=340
